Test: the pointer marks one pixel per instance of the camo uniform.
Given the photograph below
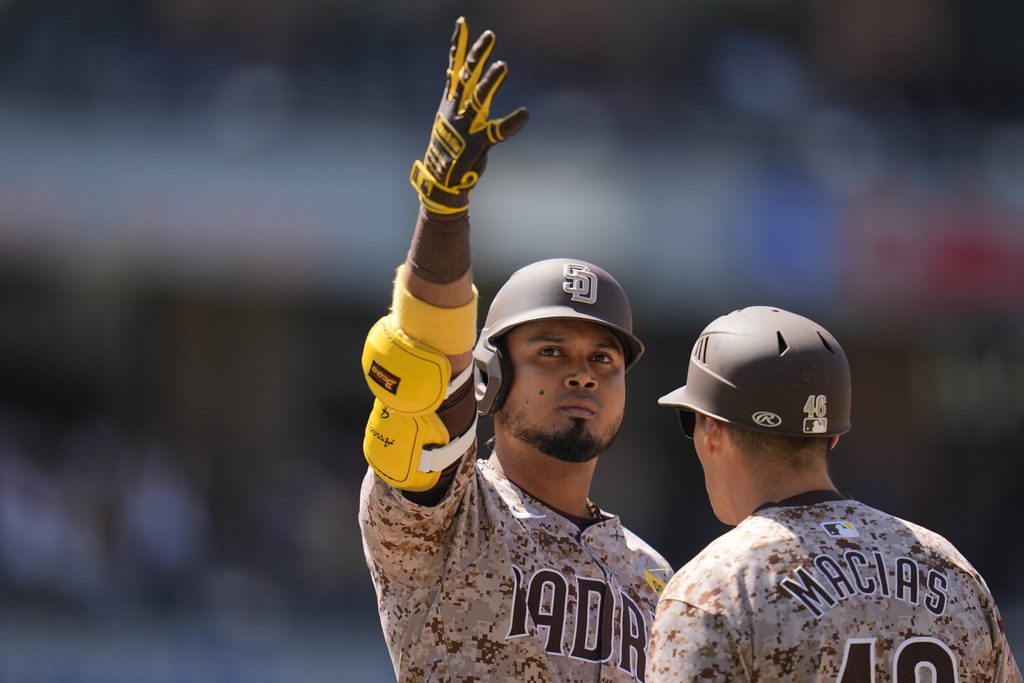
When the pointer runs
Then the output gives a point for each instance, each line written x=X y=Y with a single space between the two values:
x=818 y=589
x=492 y=585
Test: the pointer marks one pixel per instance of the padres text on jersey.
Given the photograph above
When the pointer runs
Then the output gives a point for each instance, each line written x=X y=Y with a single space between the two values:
x=493 y=585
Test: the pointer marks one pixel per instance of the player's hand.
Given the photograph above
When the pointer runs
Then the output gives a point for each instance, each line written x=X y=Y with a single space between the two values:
x=463 y=132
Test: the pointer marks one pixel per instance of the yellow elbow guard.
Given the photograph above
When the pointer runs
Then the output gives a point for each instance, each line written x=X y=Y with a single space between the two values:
x=406 y=367
x=406 y=443
x=406 y=376
x=393 y=444
x=409 y=451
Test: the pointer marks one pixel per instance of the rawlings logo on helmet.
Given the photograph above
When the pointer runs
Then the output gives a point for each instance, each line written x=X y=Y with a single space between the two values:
x=766 y=419
x=581 y=282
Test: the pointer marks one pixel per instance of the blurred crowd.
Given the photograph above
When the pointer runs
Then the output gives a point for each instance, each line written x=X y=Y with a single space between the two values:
x=266 y=58
x=94 y=518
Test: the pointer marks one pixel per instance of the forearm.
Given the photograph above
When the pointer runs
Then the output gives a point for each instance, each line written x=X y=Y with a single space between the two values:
x=437 y=268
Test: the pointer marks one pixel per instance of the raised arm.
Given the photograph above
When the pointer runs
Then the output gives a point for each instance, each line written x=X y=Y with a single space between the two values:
x=417 y=360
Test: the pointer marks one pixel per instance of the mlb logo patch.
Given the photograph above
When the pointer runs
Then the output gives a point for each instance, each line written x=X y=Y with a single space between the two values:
x=839 y=529
x=815 y=425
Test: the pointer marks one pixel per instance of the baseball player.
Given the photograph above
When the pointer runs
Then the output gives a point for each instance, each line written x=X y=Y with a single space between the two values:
x=810 y=585
x=499 y=568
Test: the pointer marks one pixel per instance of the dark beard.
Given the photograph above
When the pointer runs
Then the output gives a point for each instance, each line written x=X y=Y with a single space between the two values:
x=574 y=444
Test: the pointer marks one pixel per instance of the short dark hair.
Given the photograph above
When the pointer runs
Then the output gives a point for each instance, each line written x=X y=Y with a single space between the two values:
x=794 y=452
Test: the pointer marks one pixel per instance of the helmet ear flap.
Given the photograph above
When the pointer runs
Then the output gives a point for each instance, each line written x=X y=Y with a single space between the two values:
x=493 y=378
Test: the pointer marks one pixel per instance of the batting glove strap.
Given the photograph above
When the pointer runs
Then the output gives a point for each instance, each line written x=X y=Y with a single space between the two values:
x=436 y=196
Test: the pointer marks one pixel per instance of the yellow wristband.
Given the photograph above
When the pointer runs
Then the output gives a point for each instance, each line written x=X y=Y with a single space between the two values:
x=449 y=330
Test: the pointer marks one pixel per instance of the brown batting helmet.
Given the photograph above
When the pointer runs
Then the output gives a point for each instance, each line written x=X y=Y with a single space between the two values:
x=551 y=289
x=770 y=370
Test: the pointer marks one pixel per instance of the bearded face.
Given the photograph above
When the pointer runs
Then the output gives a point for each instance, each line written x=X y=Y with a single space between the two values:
x=568 y=388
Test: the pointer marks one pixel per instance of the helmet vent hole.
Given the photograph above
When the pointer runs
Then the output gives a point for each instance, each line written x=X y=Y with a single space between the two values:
x=700 y=351
x=826 y=344
x=783 y=345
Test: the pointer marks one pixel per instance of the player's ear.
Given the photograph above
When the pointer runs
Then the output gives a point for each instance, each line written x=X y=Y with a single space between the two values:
x=835 y=440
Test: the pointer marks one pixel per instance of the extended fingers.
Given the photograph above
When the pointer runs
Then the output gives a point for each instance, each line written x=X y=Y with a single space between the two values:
x=472 y=88
x=477 y=58
x=505 y=128
x=457 y=55
x=479 y=105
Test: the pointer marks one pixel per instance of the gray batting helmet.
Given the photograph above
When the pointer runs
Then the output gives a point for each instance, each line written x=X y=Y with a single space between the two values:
x=551 y=289
x=770 y=370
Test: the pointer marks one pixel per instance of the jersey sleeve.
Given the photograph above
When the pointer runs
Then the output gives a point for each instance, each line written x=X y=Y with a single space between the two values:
x=418 y=545
x=691 y=644
x=1006 y=668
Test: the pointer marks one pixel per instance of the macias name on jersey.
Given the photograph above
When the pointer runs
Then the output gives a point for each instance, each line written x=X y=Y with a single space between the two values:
x=546 y=597
x=854 y=573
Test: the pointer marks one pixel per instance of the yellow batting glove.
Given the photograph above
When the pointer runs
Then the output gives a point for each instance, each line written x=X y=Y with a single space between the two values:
x=463 y=131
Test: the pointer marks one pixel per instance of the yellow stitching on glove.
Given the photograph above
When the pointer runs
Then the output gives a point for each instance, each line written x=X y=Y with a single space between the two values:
x=449 y=330
x=457 y=56
x=483 y=107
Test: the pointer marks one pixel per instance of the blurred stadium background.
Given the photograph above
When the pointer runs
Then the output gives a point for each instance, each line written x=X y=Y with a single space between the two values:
x=202 y=203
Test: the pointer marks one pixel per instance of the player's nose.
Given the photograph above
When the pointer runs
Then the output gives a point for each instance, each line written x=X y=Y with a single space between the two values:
x=580 y=377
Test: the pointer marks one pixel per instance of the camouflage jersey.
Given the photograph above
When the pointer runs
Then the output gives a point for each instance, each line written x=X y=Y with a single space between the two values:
x=492 y=585
x=831 y=591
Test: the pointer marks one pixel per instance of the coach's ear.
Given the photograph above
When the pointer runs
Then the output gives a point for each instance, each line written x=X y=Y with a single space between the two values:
x=711 y=431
